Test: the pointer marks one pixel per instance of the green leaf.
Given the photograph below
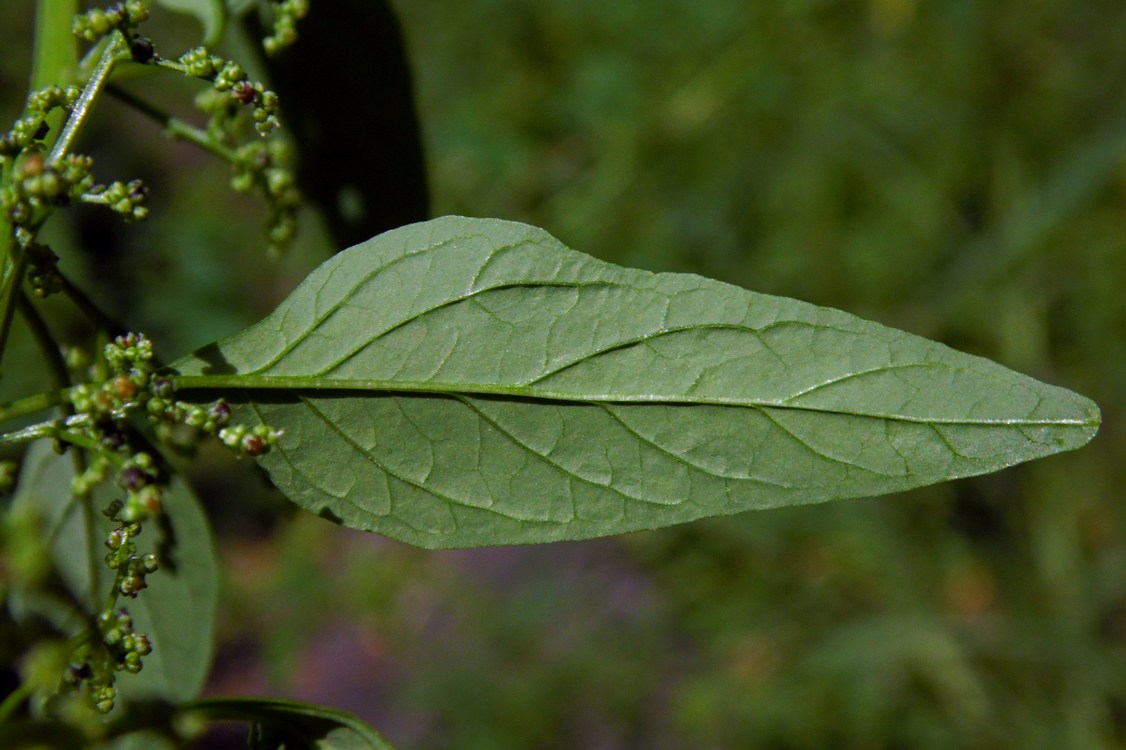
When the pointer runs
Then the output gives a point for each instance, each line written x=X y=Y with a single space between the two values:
x=281 y=724
x=178 y=608
x=466 y=382
x=212 y=15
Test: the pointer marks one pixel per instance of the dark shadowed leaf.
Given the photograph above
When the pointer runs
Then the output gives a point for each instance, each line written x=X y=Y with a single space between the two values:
x=347 y=99
x=466 y=382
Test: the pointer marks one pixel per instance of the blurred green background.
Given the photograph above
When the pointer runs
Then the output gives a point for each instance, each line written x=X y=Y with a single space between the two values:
x=956 y=169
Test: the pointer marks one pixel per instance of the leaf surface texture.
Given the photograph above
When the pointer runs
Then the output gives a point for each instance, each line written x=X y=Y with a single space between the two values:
x=464 y=382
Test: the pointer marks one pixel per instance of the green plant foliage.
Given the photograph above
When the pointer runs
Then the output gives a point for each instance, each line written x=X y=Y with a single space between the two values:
x=284 y=724
x=464 y=382
x=952 y=168
x=177 y=610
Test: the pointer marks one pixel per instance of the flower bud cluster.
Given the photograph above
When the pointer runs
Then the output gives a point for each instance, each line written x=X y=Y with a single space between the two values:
x=133 y=387
x=122 y=557
x=119 y=648
x=93 y=25
x=286 y=15
x=42 y=270
x=51 y=97
x=37 y=184
x=138 y=477
x=264 y=166
x=32 y=126
x=255 y=441
x=231 y=90
x=115 y=646
x=126 y=199
x=130 y=359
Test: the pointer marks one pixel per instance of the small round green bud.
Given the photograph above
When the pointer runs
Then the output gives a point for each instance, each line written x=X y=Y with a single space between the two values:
x=242 y=182
x=232 y=436
x=132 y=585
x=76 y=358
x=164 y=387
x=220 y=413
x=116 y=539
x=132 y=662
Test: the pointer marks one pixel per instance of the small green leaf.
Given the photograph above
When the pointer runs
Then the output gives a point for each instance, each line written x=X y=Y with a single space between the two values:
x=283 y=724
x=464 y=382
x=177 y=610
x=212 y=15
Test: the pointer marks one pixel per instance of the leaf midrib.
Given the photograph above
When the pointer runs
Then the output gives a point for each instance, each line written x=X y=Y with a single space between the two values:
x=296 y=383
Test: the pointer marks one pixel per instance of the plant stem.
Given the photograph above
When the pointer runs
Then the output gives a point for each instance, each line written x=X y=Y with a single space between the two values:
x=176 y=127
x=39 y=431
x=15 y=263
x=115 y=52
x=87 y=442
x=59 y=373
x=56 y=49
x=90 y=309
x=14 y=257
x=13 y=700
x=32 y=404
x=55 y=57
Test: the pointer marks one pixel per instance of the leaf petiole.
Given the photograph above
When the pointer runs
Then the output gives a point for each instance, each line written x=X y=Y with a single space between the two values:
x=176 y=127
x=33 y=404
x=116 y=51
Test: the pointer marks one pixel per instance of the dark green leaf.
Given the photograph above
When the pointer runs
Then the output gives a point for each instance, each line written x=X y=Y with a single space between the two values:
x=465 y=382
x=378 y=181
x=178 y=608
x=286 y=724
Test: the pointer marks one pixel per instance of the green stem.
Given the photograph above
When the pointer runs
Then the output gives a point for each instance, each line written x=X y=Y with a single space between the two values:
x=14 y=257
x=33 y=404
x=116 y=51
x=15 y=699
x=59 y=372
x=60 y=376
x=58 y=429
x=90 y=309
x=55 y=57
x=89 y=443
x=41 y=431
x=56 y=49
x=176 y=127
x=15 y=263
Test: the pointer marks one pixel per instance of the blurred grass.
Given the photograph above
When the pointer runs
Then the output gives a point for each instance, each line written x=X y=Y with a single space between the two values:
x=957 y=169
